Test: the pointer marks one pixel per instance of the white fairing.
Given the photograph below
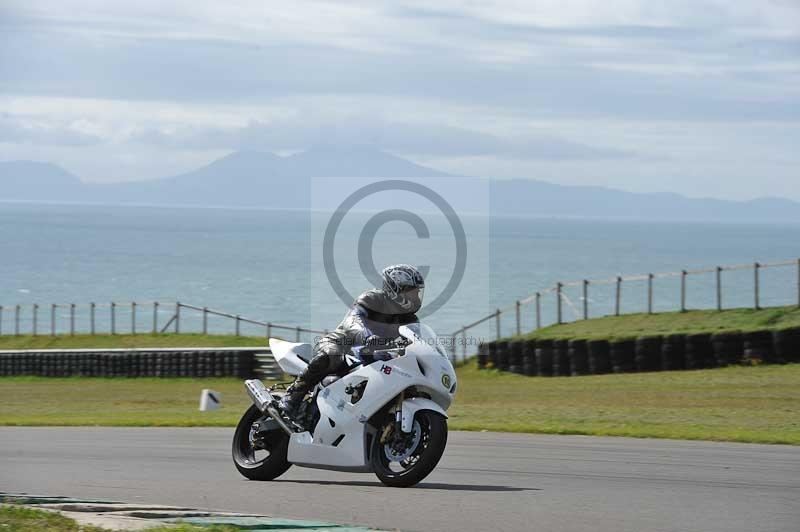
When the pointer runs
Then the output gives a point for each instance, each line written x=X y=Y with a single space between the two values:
x=344 y=423
x=291 y=357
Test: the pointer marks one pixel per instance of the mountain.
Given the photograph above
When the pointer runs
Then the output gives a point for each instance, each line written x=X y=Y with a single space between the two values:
x=519 y=196
x=28 y=180
x=259 y=179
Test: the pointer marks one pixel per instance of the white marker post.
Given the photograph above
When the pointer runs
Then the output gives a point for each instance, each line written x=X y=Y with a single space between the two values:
x=210 y=400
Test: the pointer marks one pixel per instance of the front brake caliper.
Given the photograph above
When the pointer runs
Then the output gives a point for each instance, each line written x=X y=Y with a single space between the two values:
x=387 y=433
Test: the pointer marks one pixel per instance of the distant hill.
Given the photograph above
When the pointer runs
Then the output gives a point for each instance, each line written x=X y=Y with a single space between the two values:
x=546 y=199
x=28 y=180
x=259 y=179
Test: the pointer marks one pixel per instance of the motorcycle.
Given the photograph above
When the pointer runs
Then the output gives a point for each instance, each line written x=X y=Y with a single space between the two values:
x=386 y=414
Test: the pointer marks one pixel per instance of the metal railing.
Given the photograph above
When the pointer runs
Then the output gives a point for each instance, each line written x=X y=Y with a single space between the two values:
x=557 y=295
x=135 y=317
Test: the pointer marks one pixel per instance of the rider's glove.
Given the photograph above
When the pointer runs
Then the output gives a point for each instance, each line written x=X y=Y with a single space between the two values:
x=374 y=342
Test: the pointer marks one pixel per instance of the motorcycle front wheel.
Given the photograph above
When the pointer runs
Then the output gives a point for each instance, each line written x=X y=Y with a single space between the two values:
x=259 y=455
x=406 y=466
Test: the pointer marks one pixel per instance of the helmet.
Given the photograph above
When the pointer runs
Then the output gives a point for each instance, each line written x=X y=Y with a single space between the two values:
x=404 y=285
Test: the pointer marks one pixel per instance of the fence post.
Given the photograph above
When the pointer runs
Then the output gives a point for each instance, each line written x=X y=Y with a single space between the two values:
x=586 y=299
x=53 y=319
x=297 y=334
x=558 y=302
x=133 y=317
x=798 y=284
x=269 y=330
x=497 y=323
x=756 y=268
x=16 y=320
x=113 y=318
x=519 y=325
x=91 y=317
x=719 y=288
x=1 y=319
x=205 y=320
x=238 y=320
x=538 y=310
x=35 y=319
x=650 y=293
x=683 y=290
x=72 y=319
x=464 y=345
x=155 y=317
x=177 y=317
x=618 y=296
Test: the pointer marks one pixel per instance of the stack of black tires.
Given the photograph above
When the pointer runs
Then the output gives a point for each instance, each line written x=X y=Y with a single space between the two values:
x=241 y=364
x=548 y=357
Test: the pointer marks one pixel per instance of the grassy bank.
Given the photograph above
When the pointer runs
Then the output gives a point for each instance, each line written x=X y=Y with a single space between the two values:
x=14 y=518
x=753 y=404
x=626 y=326
x=693 y=321
x=107 y=341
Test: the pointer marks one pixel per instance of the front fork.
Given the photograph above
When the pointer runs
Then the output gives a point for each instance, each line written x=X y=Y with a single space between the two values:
x=391 y=429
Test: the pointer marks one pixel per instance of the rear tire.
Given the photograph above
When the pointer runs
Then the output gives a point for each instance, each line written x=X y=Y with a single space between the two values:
x=428 y=451
x=274 y=442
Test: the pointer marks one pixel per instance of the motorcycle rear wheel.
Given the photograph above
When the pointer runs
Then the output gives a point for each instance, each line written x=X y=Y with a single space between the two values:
x=423 y=458
x=274 y=443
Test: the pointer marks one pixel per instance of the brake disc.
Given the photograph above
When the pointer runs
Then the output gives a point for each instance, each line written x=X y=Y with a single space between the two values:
x=394 y=456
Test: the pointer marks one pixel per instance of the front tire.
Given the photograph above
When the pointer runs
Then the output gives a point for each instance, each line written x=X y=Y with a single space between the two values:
x=262 y=455
x=428 y=449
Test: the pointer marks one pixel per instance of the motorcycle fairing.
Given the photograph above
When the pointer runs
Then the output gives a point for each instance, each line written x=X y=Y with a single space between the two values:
x=338 y=416
x=291 y=357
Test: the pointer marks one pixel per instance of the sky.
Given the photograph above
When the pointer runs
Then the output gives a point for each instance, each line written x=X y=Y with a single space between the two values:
x=697 y=97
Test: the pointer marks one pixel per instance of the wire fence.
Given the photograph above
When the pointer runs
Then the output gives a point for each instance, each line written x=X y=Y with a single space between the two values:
x=136 y=317
x=718 y=287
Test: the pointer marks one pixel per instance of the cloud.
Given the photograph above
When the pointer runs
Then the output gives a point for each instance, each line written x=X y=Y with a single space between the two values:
x=31 y=131
x=568 y=89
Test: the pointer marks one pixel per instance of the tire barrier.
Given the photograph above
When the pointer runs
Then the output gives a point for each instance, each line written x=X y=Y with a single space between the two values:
x=502 y=355
x=515 y=356
x=529 y=358
x=483 y=355
x=240 y=363
x=699 y=352
x=599 y=352
x=787 y=345
x=673 y=352
x=492 y=347
x=578 y=357
x=728 y=348
x=544 y=358
x=758 y=347
x=648 y=353
x=561 y=358
x=623 y=356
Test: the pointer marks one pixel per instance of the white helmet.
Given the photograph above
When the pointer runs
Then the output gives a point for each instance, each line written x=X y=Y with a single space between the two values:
x=404 y=285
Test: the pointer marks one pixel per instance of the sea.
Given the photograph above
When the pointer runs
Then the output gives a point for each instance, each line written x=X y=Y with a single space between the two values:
x=270 y=265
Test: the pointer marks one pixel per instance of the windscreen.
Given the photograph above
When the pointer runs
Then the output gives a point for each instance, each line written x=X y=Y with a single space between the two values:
x=427 y=335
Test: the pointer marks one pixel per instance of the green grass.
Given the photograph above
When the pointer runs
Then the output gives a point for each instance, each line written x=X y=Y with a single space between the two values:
x=746 y=404
x=14 y=518
x=693 y=321
x=107 y=341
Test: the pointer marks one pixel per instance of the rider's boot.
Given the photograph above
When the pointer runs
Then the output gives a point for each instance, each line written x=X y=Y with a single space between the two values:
x=322 y=364
x=293 y=398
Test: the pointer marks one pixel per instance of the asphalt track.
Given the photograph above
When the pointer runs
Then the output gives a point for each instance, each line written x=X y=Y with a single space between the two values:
x=486 y=481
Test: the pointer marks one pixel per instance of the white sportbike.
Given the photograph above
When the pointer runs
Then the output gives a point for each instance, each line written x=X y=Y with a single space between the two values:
x=387 y=417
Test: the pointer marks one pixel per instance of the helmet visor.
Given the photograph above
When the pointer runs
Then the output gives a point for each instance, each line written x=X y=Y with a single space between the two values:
x=413 y=297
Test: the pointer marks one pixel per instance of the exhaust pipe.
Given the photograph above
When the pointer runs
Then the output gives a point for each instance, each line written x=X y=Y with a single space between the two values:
x=265 y=402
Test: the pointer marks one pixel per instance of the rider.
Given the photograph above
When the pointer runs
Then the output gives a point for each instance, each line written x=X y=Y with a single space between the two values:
x=372 y=321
